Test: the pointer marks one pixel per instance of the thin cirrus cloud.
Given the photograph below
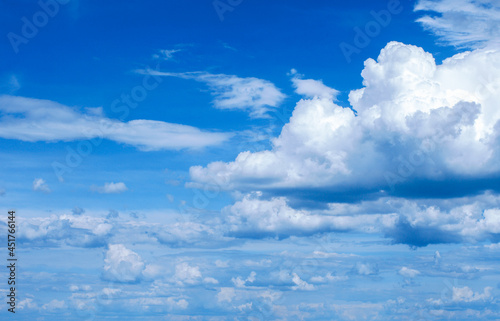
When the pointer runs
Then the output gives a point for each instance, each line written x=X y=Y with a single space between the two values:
x=254 y=95
x=33 y=120
x=463 y=23
x=166 y=54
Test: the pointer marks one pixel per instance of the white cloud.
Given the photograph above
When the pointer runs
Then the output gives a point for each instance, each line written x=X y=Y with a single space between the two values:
x=170 y=303
x=34 y=120
x=184 y=273
x=226 y=295
x=311 y=88
x=166 y=54
x=122 y=264
x=365 y=269
x=188 y=232
x=240 y=283
x=40 y=185
x=257 y=96
x=465 y=294
x=151 y=271
x=252 y=216
x=209 y=280
x=408 y=273
x=301 y=284
x=490 y=222
x=27 y=304
x=463 y=23
x=181 y=303
x=54 y=305
x=414 y=119
x=328 y=278
x=412 y=222
x=111 y=188
x=56 y=230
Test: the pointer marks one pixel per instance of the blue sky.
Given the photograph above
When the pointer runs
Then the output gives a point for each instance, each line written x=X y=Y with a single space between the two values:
x=247 y=160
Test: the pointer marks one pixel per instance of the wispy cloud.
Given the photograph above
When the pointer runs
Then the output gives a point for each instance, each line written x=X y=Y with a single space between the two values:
x=33 y=120
x=257 y=96
x=166 y=54
x=463 y=23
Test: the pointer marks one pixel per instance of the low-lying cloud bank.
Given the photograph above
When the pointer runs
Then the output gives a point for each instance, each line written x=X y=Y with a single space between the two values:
x=413 y=222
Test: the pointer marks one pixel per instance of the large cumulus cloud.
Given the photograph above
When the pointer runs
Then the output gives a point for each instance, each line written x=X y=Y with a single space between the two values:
x=415 y=130
x=412 y=119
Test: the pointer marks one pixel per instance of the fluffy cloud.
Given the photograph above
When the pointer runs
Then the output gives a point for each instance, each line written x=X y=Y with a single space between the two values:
x=311 y=88
x=463 y=23
x=250 y=94
x=465 y=294
x=226 y=295
x=184 y=273
x=408 y=273
x=328 y=278
x=54 y=305
x=414 y=119
x=365 y=269
x=301 y=284
x=40 y=185
x=111 y=188
x=421 y=224
x=412 y=222
x=79 y=230
x=254 y=217
x=240 y=283
x=122 y=264
x=35 y=120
